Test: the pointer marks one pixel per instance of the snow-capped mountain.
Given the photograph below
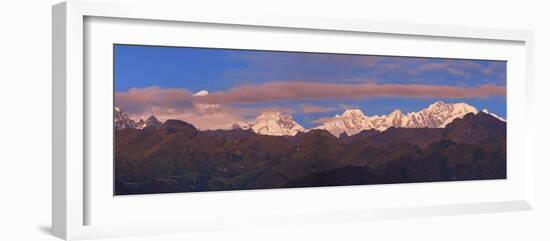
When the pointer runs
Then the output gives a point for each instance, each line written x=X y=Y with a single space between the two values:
x=201 y=93
x=352 y=121
x=493 y=114
x=152 y=121
x=122 y=121
x=437 y=115
x=273 y=124
x=201 y=107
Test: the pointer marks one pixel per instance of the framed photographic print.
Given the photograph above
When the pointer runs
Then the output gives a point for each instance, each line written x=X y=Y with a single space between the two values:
x=201 y=119
x=204 y=122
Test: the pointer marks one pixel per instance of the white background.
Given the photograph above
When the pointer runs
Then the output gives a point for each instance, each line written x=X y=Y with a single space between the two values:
x=25 y=101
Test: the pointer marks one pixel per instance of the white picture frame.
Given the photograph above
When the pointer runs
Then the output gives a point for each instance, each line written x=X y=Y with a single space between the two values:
x=71 y=189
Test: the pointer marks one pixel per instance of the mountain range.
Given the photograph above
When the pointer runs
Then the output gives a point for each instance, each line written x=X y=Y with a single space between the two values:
x=437 y=115
x=122 y=121
x=350 y=122
x=177 y=157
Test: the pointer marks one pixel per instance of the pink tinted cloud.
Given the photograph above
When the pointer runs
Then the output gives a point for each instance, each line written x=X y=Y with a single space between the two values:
x=309 y=108
x=137 y=100
x=296 y=90
x=323 y=120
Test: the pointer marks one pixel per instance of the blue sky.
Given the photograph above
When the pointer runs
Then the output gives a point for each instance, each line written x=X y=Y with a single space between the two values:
x=188 y=70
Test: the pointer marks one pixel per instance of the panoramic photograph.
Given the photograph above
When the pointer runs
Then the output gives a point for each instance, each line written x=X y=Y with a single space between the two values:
x=189 y=119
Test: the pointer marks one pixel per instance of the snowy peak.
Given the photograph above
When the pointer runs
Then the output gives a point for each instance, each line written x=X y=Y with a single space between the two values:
x=201 y=93
x=152 y=121
x=436 y=115
x=353 y=113
x=351 y=122
x=396 y=112
x=273 y=124
x=441 y=107
x=486 y=111
x=437 y=105
x=202 y=107
x=122 y=121
x=439 y=114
